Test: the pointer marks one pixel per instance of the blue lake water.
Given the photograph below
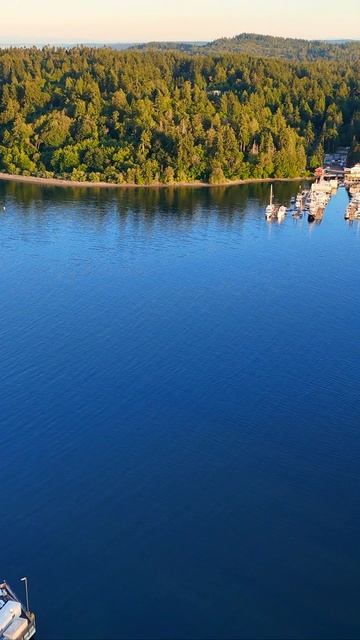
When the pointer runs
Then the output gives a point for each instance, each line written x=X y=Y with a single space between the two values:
x=180 y=414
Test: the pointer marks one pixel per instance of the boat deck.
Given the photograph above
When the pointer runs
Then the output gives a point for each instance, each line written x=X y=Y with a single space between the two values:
x=21 y=626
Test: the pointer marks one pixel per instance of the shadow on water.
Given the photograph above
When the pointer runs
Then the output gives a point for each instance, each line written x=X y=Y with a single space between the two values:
x=149 y=204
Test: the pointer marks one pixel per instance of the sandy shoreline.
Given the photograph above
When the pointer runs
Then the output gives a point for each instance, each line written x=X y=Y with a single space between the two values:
x=57 y=182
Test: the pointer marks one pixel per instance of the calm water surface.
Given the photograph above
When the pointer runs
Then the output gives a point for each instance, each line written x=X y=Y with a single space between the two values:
x=180 y=414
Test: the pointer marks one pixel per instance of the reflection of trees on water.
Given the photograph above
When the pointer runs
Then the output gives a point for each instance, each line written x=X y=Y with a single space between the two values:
x=172 y=205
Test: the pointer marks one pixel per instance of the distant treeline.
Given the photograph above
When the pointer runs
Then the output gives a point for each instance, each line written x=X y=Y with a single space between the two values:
x=268 y=47
x=165 y=116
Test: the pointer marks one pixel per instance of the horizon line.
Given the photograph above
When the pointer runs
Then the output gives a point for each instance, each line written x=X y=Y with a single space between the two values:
x=75 y=42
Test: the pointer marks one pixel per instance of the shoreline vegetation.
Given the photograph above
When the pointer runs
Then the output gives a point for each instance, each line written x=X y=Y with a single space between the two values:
x=100 y=117
x=59 y=182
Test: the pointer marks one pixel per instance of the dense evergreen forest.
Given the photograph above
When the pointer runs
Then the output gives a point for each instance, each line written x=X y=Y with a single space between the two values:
x=268 y=47
x=167 y=116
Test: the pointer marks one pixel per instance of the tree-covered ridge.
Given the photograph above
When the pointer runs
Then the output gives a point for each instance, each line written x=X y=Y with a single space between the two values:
x=289 y=48
x=187 y=47
x=268 y=47
x=147 y=117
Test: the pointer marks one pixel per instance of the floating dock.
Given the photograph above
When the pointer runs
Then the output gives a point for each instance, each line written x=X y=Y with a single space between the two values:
x=16 y=623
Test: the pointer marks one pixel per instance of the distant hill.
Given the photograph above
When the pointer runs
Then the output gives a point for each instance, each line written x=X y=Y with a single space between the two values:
x=252 y=44
x=290 y=48
x=267 y=47
x=188 y=47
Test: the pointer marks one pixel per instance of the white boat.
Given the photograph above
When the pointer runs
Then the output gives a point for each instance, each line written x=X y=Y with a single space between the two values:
x=321 y=186
x=16 y=621
x=281 y=212
x=354 y=189
x=270 y=210
x=353 y=208
x=352 y=175
x=317 y=199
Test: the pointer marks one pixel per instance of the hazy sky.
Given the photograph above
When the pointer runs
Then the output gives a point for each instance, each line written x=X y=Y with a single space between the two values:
x=139 y=20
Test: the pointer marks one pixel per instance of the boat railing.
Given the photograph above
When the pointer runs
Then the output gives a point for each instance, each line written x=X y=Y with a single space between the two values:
x=30 y=632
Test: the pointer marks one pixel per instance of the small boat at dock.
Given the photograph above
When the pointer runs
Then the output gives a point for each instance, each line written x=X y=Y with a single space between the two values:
x=301 y=199
x=316 y=214
x=353 y=208
x=270 y=211
x=323 y=186
x=354 y=189
x=317 y=198
x=281 y=212
x=273 y=211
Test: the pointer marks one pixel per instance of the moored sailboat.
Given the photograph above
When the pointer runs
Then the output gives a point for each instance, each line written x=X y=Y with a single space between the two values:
x=270 y=211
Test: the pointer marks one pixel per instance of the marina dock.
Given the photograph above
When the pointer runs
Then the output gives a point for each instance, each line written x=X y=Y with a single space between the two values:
x=352 y=183
x=314 y=200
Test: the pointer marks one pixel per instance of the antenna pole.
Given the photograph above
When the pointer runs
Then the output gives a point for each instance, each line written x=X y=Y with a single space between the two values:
x=25 y=580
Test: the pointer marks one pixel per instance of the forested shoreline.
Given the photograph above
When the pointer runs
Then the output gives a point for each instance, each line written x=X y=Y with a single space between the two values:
x=148 y=117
